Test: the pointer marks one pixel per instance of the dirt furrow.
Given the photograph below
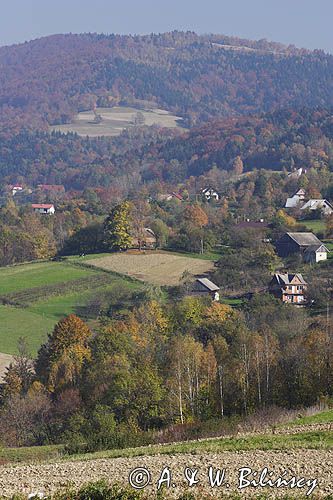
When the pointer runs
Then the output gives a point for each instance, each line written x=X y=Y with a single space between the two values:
x=308 y=464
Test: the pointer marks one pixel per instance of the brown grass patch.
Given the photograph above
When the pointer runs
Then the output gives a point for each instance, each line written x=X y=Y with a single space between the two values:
x=158 y=268
x=5 y=360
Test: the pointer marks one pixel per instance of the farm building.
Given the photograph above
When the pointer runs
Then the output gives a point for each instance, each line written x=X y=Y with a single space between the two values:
x=259 y=225
x=16 y=189
x=169 y=197
x=315 y=253
x=210 y=194
x=146 y=239
x=290 y=288
x=43 y=208
x=297 y=173
x=307 y=244
x=203 y=286
x=296 y=200
x=323 y=205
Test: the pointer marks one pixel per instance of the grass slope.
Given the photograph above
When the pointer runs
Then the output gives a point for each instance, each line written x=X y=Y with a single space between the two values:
x=16 y=323
x=32 y=275
x=314 y=440
x=319 y=418
x=44 y=293
x=115 y=120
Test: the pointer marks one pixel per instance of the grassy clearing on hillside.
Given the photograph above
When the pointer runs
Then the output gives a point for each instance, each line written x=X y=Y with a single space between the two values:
x=44 y=293
x=159 y=268
x=205 y=256
x=16 y=323
x=115 y=120
x=71 y=303
x=20 y=277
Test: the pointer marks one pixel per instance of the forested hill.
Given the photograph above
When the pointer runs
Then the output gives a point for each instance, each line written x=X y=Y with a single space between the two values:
x=283 y=139
x=46 y=81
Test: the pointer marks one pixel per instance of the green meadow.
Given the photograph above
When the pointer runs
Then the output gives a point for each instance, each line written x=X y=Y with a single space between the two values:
x=35 y=296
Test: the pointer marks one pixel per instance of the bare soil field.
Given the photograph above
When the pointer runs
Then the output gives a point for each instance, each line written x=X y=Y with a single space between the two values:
x=115 y=120
x=302 y=463
x=5 y=360
x=158 y=268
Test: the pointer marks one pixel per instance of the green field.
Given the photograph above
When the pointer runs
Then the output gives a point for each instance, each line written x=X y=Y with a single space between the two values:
x=317 y=226
x=32 y=275
x=36 y=296
x=318 y=418
x=16 y=323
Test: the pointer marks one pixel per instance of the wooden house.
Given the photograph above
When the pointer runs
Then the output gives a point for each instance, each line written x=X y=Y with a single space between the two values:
x=307 y=244
x=205 y=287
x=146 y=239
x=290 y=288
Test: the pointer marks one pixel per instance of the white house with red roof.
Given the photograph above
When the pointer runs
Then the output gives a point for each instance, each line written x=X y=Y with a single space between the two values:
x=43 y=208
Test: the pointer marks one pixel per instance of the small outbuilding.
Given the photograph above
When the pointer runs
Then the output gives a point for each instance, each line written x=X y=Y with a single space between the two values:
x=203 y=286
x=146 y=239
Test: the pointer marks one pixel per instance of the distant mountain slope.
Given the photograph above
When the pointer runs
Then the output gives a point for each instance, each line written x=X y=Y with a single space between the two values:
x=46 y=81
x=283 y=139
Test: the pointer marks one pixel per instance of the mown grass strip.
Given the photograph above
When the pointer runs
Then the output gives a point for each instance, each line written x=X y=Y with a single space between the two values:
x=30 y=454
x=324 y=417
x=321 y=440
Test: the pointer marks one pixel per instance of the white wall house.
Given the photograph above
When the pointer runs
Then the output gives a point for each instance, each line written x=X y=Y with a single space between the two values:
x=315 y=253
x=210 y=194
x=43 y=208
x=323 y=205
x=296 y=200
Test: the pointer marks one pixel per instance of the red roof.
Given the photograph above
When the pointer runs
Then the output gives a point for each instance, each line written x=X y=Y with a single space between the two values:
x=41 y=205
x=176 y=195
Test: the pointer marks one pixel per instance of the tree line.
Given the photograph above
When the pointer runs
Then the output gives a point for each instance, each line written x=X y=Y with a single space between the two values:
x=161 y=364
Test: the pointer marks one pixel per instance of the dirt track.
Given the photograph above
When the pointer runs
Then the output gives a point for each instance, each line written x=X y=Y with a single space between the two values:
x=46 y=478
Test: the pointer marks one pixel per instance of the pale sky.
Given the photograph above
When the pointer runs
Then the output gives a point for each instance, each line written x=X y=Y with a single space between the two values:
x=304 y=23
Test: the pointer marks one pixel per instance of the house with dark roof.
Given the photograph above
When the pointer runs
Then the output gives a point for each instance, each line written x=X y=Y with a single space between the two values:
x=204 y=287
x=290 y=288
x=307 y=244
